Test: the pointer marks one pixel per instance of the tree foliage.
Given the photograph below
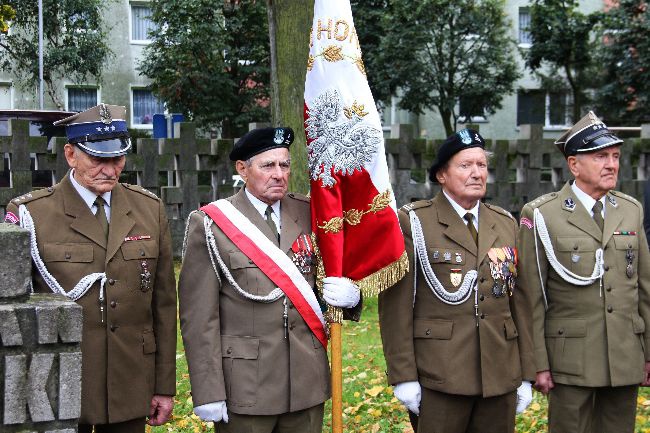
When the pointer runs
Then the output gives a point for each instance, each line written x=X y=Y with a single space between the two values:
x=368 y=22
x=7 y=14
x=210 y=61
x=561 y=40
x=438 y=52
x=624 y=56
x=74 y=43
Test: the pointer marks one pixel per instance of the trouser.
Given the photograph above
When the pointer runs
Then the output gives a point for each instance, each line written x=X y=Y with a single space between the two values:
x=450 y=413
x=579 y=409
x=133 y=426
x=303 y=421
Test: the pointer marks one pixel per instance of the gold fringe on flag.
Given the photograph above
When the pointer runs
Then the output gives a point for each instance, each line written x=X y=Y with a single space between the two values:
x=379 y=281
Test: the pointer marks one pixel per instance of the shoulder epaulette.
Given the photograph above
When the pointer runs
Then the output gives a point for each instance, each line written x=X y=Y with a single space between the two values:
x=416 y=205
x=141 y=190
x=499 y=210
x=542 y=199
x=34 y=195
x=300 y=197
x=623 y=196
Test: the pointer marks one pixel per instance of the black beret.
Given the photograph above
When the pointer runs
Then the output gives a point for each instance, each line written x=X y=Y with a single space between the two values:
x=461 y=140
x=588 y=135
x=260 y=140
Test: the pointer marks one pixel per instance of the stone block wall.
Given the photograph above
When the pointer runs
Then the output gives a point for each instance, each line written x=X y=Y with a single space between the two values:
x=40 y=348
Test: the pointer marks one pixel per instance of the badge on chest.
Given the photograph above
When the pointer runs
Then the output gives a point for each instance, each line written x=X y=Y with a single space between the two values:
x=303 y=254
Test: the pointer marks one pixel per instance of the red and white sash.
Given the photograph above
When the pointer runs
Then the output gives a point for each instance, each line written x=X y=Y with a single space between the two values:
x=271 y=260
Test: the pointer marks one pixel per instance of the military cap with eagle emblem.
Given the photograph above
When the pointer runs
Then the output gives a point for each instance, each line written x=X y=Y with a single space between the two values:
x=99 y=131
x=588 y=135
x=260 y=140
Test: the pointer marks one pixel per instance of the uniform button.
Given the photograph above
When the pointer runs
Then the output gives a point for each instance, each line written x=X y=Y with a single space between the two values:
x=481 y=297
x=427 y=332
x=250 y=262
x=113 y=328
x=113 y=304
x=575 y=248
x=111 y=281
x=606 y=268
x=610 y=309
x=291 y=327
x=142 y=253
x=229 y=350
x=68 y=256
x=560 y=331
x=291 y=306
x=482 y=279
x=629 y=245
x=482 y=316
x=609 y=289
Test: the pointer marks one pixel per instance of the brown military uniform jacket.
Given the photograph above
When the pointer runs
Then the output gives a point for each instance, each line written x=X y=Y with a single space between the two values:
x=454 y=348
x=236 y=348
x=589 y=336
x=130 y=356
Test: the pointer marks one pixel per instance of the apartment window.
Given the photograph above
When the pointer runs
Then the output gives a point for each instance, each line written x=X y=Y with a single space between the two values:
x=469 y=111
x=5 y=95
x=141 y=23
x=145 y=105
x=524 y=26
x=536 y=106
x=81 y=98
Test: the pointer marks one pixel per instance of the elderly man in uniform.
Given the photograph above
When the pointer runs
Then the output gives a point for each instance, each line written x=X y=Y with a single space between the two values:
x=251 y=321
x=456 y=329
x=107 y=246
x=584 y=256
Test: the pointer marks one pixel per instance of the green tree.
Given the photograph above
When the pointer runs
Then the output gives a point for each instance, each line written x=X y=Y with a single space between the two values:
x=442 y=52
x=368 y=22
x=210 y=61
x=561 y=40
x=7 y=14
x=624 y=57
x=74 y=41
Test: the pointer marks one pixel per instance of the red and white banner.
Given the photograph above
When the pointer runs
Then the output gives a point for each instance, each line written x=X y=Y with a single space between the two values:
x=353 y=208
x=271 y=260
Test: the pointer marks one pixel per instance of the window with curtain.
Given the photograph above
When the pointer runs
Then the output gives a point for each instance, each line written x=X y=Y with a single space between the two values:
x=141 y=22
x=145 y=105
x=81 y=98
x=524 y=26
x=536 y=106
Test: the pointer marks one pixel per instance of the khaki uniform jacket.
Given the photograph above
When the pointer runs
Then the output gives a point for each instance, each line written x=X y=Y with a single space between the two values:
x=236 y=348
x=441 y=345
x=589 y=336
x=130 y=356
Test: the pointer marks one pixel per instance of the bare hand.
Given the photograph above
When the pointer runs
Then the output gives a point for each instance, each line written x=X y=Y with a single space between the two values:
x=544 y=382
x=161 y=409
x=646 y=375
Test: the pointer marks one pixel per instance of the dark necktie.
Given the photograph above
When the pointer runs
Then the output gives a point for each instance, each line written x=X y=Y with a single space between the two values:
x=101 y=214
x=598 y=214
x=470 y=226
x=269 y=221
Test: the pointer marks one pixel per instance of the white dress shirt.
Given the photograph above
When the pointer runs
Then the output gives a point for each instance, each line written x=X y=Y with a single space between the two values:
x=261 y=208
x=587 y=201
x=462 y=211
x=89 y=197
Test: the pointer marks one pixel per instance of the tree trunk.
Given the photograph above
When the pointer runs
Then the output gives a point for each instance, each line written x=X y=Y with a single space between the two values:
x=577 y=97
x=445 y=115
x=289 y=27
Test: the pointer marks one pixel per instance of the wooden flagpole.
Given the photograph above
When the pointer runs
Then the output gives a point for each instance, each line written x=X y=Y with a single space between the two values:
x=337 y=377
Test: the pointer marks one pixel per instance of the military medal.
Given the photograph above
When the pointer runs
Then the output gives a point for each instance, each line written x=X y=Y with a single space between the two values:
x=145 y=277
x=447 y=256
x=303 y=253
x=492 y=255
x=459 y=258
x=436 y=255
x=629 y=269
x=456 y=277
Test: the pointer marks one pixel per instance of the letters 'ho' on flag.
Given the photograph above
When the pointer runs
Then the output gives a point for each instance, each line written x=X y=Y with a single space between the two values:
x=353 y=209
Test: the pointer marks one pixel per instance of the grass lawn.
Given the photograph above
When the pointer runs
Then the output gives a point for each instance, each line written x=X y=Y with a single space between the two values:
x=368 y=402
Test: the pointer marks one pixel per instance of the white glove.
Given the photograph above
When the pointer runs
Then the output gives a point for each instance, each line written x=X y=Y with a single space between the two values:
x=409 y=393
x=524 y=396
x=340 y=292
x=216 y=411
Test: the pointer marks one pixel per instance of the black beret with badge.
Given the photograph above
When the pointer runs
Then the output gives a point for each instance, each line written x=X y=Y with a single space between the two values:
x=260 y=140
x=461 y=140
x=588 y=135
x=99 y=131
